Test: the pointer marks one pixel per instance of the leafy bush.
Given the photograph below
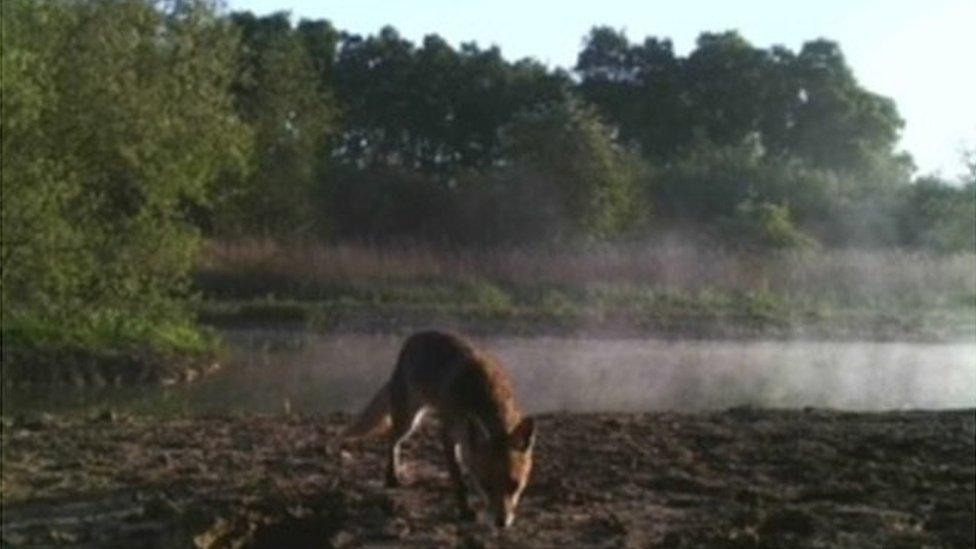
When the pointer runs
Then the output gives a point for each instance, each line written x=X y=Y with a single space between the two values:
x=708 y=187
x=594 y=181
x=939 y=216
x=763 y=225
x=116 y=120
x=389 y=203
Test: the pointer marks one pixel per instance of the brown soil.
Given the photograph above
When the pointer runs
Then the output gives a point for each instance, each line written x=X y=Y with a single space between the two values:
x=740 y=478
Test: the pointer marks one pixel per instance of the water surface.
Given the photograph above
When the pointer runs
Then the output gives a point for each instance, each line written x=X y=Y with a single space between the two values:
x=273 y=371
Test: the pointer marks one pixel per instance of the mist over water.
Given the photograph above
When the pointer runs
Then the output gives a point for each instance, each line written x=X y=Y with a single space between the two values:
x=554 y=374
x=272 y=371
x=627 y=375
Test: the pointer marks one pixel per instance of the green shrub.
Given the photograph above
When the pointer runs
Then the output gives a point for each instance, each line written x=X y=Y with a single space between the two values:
x=116 y=120
x=595 y=181
x=764 y=226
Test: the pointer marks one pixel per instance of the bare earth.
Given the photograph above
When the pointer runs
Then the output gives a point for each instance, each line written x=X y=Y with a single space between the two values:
x=740 y=478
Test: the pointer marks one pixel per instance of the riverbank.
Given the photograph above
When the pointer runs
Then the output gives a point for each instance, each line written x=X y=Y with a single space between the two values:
x=739 y=478
x=127 y=352
x=656 y=290
x=664 y=317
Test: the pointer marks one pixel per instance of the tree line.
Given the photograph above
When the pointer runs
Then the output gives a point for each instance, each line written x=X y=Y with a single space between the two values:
x=132 y=128
x=375 y=137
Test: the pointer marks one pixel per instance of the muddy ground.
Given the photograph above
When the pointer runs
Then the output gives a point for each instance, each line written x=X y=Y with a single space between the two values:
x=739 y=478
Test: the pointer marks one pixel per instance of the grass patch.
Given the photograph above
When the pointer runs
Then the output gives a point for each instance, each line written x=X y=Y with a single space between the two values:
x=609 y=309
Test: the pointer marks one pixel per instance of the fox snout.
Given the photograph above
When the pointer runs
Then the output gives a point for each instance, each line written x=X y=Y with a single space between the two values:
x=502 y=506
x=501 y=468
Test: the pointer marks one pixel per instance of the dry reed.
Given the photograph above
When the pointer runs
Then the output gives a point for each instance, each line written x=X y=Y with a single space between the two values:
x=668 y=267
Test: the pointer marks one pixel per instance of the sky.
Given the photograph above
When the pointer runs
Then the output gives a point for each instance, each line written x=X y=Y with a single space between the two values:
x=919 y=53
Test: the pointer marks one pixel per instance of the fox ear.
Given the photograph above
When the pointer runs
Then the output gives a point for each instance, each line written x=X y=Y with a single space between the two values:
x=523 y=436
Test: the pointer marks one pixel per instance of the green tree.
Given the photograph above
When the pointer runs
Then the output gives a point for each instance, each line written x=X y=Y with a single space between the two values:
x=805 y=105
x=725 y=80
x=434 y=109
x=281 y=92
x=938 y=215
x=115 y=119
x=639 y=89
x=837 y=124
x=371 y=79
x=595 y=180
x=321 y=41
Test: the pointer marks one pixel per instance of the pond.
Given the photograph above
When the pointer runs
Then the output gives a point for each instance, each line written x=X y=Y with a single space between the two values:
x=272 y=371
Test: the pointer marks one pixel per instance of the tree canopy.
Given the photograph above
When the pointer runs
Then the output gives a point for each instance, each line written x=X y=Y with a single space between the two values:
x=117 y=117
x=805 y=104
x=131 y=126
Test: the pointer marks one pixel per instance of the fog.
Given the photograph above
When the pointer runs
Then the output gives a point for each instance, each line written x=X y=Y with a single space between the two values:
x=275 y=371
x=555 y=374
x=635 y=375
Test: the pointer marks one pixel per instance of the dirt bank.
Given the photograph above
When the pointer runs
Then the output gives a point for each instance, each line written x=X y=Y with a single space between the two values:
x=740 y=478
x=65 y=367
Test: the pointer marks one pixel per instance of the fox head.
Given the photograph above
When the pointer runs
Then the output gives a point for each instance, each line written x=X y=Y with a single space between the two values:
x=501 y=465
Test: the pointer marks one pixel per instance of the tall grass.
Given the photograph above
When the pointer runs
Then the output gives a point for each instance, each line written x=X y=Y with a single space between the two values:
x=860 y=276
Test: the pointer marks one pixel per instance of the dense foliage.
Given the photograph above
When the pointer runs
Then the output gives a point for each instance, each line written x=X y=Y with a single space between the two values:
x=130 y=127
x=459 y=145
x=116 y=121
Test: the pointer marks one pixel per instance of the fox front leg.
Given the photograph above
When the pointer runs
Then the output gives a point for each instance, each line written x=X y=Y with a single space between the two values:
x=457 y=478
x=406 y=416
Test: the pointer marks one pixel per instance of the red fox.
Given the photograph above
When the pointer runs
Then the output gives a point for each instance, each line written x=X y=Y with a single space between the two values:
x=484 y=433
